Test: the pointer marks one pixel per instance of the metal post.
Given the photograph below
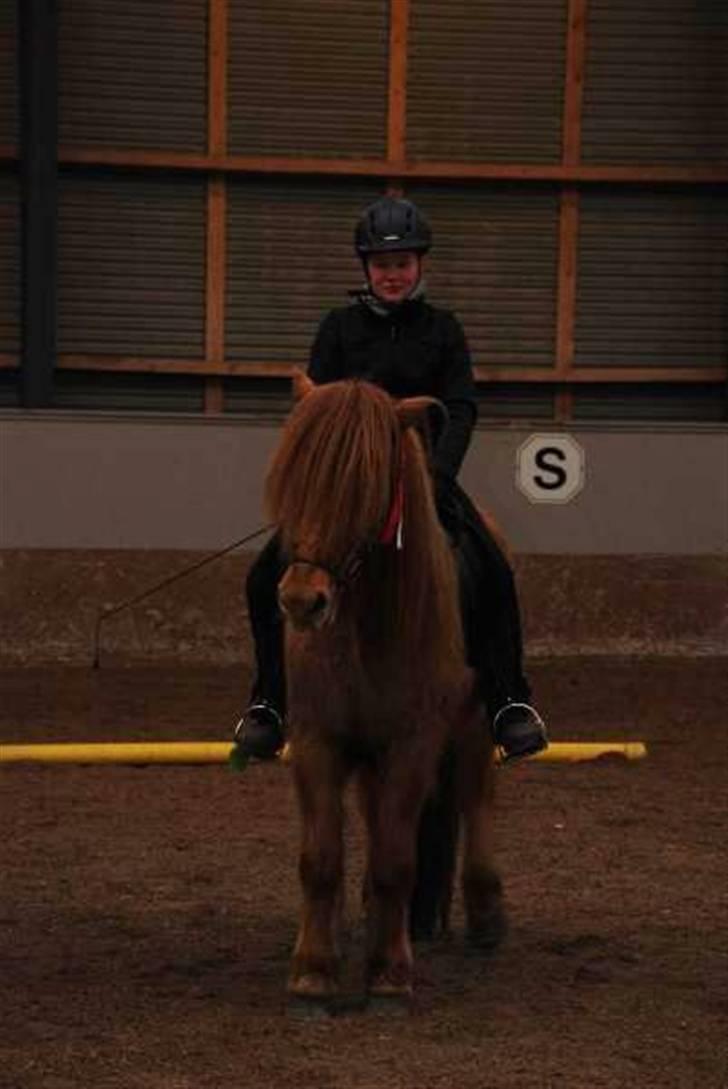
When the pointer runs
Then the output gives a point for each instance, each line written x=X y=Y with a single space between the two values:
x=38 y=68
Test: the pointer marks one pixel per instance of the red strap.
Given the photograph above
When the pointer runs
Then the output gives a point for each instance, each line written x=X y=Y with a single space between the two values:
x=391 y=529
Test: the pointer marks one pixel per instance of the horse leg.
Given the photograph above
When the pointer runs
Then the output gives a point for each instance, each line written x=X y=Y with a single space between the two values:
x=319 y=777
x=437 y=844
x=392 y=808
x=482 y=886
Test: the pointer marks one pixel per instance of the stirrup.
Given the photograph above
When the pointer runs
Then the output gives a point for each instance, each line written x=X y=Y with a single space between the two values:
x=259 y=732
x=526 y=742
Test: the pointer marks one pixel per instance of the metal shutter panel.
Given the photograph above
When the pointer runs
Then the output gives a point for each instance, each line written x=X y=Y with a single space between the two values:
x=9 y=263
x=486 y=80
x=9 y=124
x=290 y=258
x=108 y=392
x=133 y=74
x=308 y=78
x=495 y=262
x=131 y=265
x=656 y=82
x=651 y=285
x=653 y=402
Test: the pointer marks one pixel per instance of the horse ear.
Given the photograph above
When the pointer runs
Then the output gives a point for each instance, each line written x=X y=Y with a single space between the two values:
x=418 y=412
x=302 y=384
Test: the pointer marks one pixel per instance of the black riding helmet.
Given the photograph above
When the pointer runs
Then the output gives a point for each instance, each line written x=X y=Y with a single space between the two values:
x=391 y=224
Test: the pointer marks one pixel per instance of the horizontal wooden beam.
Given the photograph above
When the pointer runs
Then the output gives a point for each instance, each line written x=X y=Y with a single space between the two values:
x=384 y=168
x=590 y=375
x=581 y=375
x=159 y=365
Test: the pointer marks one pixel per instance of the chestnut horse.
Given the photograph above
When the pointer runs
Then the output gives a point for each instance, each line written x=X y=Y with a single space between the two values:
x=377 y=680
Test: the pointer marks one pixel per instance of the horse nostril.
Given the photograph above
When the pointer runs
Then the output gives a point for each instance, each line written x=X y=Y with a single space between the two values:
x=319 y=604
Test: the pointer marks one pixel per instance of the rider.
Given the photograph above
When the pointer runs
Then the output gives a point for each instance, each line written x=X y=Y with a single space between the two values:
x=392 y=336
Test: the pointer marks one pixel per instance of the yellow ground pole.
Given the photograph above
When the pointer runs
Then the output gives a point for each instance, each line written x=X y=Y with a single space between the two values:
x=218 y=752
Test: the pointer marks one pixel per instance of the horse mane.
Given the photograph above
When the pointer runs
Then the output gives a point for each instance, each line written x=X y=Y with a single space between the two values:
x=343 y=454
x=331 y=478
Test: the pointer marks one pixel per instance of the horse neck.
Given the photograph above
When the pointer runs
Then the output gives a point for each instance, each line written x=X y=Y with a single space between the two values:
x=405 y=612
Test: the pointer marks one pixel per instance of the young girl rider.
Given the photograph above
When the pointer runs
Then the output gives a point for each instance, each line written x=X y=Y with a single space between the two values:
x=392 y=336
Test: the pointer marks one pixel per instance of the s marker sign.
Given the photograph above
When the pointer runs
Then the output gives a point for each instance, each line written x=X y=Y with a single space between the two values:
x=550 y=468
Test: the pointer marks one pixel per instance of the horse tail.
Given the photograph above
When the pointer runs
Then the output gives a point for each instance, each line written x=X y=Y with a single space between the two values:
x=437 y=845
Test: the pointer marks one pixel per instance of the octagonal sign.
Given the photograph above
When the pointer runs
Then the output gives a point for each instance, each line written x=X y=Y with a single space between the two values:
x=550 y=468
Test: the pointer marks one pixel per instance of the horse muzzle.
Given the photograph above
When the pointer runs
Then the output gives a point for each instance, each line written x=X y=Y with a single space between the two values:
x=306 y=596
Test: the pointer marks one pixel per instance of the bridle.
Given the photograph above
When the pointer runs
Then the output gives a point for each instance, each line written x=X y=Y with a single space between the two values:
x=391 y=533
x=345 y=573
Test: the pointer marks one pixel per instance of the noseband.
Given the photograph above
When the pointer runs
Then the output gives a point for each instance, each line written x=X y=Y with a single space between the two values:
x=345 y=573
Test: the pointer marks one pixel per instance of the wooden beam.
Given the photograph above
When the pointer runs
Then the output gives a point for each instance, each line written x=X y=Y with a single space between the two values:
x=566 y=294
x=566 y=286
x=581 y=375
x=213 y=397
x=217 y=49
x=215 y=282
x=592 y=375
x=383 y=168
x=573 y=82
x=397 y=102
x=216 y=204
x=158 y=365
x=569 y=205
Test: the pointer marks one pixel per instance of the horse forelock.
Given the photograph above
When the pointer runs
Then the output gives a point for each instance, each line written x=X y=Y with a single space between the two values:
x=332 y=477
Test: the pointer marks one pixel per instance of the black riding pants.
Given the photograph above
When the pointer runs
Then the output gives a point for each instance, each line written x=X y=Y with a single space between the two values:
x=489 y=605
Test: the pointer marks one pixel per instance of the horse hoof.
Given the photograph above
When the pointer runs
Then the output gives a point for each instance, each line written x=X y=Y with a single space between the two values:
x=487 y=934
x=384 y=996
x=313 y=985
x=309 y=1008
x=311 y=995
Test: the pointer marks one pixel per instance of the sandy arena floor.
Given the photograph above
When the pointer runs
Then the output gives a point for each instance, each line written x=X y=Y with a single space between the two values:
x=146 y=914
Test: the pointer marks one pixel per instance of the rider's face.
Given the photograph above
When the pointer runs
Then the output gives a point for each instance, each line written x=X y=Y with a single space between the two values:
x=392 y=276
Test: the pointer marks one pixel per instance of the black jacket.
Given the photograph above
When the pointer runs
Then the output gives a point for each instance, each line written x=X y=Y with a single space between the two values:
x=417 y=350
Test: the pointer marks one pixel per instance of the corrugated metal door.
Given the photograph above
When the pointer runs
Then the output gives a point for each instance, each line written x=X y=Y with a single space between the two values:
x=290 y=258
x=486 y=80
x=308 y=78
x=9 y=263
x=652 y=288
x=494 y=261
x=133 y=74
x=131 y=265
x=8 y=72
x=656 y=84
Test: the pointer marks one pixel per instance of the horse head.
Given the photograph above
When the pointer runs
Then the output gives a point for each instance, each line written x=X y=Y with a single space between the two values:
x=335 y=489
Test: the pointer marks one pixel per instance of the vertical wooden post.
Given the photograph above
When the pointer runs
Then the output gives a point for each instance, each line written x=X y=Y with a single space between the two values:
x=569 y=210
x=216 y=204
x=397 y=97
x=38 y=41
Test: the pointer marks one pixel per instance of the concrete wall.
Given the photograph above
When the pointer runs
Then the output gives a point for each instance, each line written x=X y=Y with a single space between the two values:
x=69 y=482
x=95 y=510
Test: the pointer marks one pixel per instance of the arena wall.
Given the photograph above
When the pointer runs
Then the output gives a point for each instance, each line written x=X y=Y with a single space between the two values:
x=96 y=508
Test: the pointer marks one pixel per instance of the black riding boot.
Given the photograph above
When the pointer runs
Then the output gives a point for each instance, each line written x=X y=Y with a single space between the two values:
x=493 y=639
x=260 y=731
